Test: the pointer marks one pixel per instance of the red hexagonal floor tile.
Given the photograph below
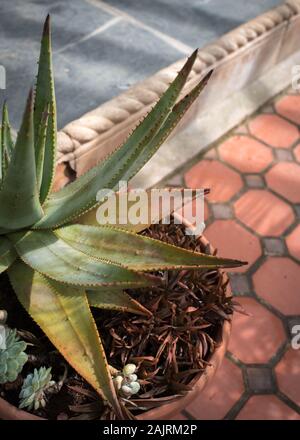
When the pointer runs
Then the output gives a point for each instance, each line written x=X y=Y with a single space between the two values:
x=264 y=212
x=293 y=242
x=288 y=374
x=267 y=407
x=257 y=337
x=289 y=107
x=222 y=181
x=246 y=154
x=277 y=281
x=234 y=241
x=297 y=152
x=274 y=130
x=284 y=178
x=220 y=395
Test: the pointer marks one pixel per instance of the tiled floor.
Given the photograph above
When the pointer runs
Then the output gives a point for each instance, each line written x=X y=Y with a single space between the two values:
x=253 y=214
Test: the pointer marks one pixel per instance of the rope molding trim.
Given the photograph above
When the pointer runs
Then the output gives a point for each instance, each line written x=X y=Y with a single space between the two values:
x=92 y=129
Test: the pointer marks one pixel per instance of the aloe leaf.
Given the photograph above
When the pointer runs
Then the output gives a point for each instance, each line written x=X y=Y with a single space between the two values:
x=6 y=132
x=135 y=201
x=44 y=97
x=91 y=218
x=7 y=254
x=63 y=314
x=40 y=149
x=80 y=196
x=48 y=254
x=6 y=142
x=114 y=298
x=19 y=198
x=169 y=125
x=1 y=157
x=134 y=251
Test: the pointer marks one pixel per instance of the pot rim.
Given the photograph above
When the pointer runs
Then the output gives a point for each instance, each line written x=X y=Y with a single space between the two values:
x=10 y=412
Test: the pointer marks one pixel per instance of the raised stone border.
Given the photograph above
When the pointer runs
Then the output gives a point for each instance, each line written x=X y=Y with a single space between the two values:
x=251 y=64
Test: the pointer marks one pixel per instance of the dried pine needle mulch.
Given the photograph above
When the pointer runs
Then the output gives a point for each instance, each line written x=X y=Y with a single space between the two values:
x=175 y=344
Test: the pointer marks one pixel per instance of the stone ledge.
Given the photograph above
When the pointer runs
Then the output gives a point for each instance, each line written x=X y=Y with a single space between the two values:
x=246 y=63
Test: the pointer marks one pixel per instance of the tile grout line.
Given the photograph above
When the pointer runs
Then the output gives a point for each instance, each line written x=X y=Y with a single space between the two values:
x=177 y=44
x=86 y=37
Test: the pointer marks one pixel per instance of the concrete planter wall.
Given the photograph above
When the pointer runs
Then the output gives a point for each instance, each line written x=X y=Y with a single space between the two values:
x=251 y=64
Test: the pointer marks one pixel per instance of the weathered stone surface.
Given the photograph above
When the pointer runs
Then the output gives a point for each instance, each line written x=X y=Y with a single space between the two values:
x=207 y=19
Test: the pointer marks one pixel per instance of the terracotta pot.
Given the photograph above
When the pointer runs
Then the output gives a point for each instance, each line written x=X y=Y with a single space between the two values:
x=165 y=411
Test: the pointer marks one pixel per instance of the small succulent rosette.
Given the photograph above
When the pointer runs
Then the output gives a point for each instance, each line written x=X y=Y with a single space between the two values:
x=126 y=382
x=12 y=357
x=34 y=388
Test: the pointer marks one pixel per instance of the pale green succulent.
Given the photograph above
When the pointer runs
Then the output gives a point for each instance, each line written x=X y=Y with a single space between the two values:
x=35 y=385
x=129 y=369
x=126 y=382
x=59 y=260
x=13 y=357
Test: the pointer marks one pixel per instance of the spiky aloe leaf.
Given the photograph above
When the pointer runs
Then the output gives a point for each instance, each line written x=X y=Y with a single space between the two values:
x=114 y=298
x=1 y=157
x=6 y=132
x=90 y=217
x=80 y=196
x=47 y=253
x=40 y=147
x=135 y=201
x=170 y=123
x=19 y=198
x=6 y=144
x=7 y=254
x=63 y=314
x=44 y=97
x=136 y=252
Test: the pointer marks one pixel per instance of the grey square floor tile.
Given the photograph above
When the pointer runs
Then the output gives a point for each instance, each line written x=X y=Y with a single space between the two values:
x=240 y=284
x=273 y=246
x=260 y=380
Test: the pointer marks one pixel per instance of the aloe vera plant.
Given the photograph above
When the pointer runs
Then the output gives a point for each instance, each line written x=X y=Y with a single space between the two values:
x=60 y=266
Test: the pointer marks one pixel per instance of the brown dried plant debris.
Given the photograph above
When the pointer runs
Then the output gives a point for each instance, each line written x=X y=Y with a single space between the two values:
x=175 y=344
